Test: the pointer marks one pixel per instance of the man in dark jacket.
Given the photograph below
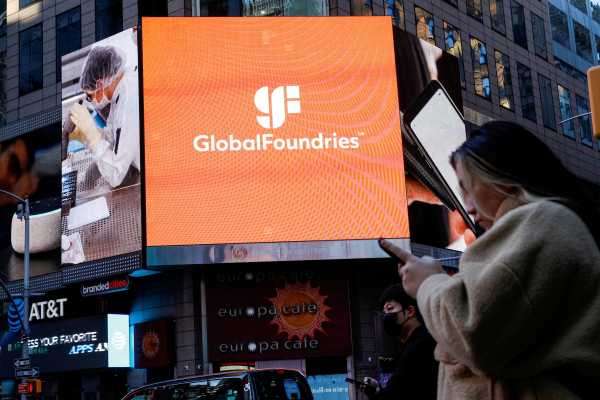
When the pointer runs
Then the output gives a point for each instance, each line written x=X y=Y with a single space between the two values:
x=415 y=373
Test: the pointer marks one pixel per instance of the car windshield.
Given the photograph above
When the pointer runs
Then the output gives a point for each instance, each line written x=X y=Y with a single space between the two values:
x=209 y=389
x=281 y=385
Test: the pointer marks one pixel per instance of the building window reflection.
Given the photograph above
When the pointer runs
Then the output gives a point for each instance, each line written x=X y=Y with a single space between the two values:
x=497 y=16
x=583 y=45
x=564 y=102
x=518 y=24
x=526 y=92
x=539 y=36
x=474 y=9
x=453 y=45
x=595 y=4
x=68 y=35
x=264 y=8
x=585 y=127
x=109 y=18
x=505 y=87
x=30 y=60
x=361 y=7
x=481 y=74
x=560 y=26
x=425 y=25
x=580 y=5
x=395 y=9
x=546 y=98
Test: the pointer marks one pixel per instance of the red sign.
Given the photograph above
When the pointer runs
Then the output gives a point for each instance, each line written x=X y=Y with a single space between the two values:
x=154 y=344
x=277 y=315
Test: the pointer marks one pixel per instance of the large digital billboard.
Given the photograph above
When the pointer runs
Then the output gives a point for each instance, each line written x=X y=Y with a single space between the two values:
x=30 y=167
x=71 y=345
x=258 y=131
x=101 y=189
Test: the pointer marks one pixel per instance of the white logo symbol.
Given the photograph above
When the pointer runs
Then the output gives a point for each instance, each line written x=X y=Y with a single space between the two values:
x=118 y=340
x=282 y=99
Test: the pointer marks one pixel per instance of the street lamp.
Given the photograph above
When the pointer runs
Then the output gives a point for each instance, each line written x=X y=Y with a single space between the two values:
x=23 y=212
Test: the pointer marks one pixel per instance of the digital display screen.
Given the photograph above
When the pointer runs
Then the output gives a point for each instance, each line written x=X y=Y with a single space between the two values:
x=101 y=189
x=254 y=134
x=75 y=344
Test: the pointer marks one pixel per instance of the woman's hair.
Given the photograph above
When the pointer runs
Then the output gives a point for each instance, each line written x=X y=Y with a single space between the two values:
x=503 y=153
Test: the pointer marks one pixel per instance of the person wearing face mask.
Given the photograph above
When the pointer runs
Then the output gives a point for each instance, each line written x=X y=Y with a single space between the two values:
x=110 y=86
x=520 y=319
x=415 y=372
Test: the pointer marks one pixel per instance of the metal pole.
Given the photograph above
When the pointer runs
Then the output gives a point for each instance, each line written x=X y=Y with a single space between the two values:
x=575 y=117
x=25 y=346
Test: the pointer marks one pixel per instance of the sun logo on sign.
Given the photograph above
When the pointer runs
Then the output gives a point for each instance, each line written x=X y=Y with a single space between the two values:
x=301 y=310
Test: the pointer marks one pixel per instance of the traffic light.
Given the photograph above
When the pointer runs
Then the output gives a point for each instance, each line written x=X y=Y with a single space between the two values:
x=593 y=75
x=31 y=386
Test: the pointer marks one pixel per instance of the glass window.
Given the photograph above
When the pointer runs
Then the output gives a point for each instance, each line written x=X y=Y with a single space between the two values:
x=583 y=44
x=497 y=16
x=25 y=3
x=474 y=9
x=526 y=92
x=597 y=49
x=425 y=25
x=68 y=35
x=251 y=8
x=518 y=23
x=564 y=102
x=560 y=26
x=453 y=45
x=595 y=10
x=2 y=19
x=481 y=74
x=30 y=60
x=361 y=7
x=585 y=127
x=580 y=5
x=505 y=87
x=155 y=8
x=109 y=18
x=395 y=9
x=539 y=36
x=568 y=69
x=546 y=98
x=258 y=8
x=453 y=2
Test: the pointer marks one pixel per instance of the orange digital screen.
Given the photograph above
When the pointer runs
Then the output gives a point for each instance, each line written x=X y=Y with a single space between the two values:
x=266 y=130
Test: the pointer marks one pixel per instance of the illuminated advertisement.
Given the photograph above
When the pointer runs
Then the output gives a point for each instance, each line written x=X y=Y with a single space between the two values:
x=256 y=134
x=30 y=167
x=262 y=315
x=101 y=151
x=328 y=387
x=75 y=344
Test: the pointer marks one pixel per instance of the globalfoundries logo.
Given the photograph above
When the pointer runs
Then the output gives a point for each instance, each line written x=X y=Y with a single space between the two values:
x=275 y=107
x=283 y=98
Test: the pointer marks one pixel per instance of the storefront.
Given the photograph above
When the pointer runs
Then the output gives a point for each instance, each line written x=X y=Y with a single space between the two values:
x=262 y=316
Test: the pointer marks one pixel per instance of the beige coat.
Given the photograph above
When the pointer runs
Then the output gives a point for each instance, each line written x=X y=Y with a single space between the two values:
x=526 y=301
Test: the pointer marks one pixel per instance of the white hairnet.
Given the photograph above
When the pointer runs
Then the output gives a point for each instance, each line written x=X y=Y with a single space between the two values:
x=103 y=64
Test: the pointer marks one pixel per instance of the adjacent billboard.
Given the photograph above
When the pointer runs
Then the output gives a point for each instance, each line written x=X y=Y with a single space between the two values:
x=256 y=133
x=74 y=344
x=267 y=315
x=30 y=167
x=101 y=190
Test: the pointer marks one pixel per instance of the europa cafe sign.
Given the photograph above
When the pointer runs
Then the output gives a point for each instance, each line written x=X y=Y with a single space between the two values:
x=277 y=318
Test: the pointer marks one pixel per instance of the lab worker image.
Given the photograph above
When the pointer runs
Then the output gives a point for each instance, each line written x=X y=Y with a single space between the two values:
x=111 y=89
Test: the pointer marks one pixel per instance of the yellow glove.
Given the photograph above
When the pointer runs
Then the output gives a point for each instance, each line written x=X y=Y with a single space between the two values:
x=86 y=126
